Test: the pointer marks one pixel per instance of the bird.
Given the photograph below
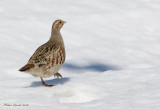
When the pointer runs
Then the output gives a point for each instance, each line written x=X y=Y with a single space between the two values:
x=47 y=60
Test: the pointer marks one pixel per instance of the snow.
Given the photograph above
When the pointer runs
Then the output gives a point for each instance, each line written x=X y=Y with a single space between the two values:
x=112 y=46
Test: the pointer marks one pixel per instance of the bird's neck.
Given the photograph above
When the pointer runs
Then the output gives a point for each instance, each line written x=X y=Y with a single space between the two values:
x=56 y=37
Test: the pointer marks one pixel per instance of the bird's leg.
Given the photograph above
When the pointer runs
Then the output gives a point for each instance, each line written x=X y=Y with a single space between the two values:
x=44 y=84
x=58 y=75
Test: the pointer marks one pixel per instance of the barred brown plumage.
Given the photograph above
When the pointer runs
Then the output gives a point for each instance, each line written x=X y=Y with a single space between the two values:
x=49 y=57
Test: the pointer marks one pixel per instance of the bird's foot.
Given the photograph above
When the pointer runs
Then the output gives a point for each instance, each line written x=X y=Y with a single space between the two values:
x=47 y=85
x=58 y=75
x=44 y=84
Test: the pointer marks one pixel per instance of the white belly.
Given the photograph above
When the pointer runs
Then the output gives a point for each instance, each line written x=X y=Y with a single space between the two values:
x=45 y=73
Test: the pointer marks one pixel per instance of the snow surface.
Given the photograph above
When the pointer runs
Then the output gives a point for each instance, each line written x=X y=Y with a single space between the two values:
x=113 y=54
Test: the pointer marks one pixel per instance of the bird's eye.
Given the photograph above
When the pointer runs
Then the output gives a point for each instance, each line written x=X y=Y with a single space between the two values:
x=60 y=22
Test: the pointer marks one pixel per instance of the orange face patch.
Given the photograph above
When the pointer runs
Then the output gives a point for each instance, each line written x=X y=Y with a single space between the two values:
x=58 y=24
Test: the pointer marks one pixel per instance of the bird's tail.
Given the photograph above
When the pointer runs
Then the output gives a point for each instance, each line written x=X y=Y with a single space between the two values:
x=26 y=67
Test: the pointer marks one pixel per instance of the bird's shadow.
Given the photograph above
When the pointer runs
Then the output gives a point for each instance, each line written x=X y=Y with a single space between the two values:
x=92 y=67
x=55 y=81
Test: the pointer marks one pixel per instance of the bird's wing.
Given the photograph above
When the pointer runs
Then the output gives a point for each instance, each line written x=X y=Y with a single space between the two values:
x=43 y=54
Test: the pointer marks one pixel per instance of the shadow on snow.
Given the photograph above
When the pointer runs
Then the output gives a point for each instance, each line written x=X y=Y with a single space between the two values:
x=93 y=67
x=55 y=81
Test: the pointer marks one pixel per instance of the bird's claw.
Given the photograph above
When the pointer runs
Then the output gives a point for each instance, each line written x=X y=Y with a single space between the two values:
x=58 y=75
x=47 y=85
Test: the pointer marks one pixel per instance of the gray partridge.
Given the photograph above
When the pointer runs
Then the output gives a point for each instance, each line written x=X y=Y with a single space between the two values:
x=49 y=57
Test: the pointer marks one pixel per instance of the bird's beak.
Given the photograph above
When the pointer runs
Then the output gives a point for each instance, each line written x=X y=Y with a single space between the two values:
x=64 y=22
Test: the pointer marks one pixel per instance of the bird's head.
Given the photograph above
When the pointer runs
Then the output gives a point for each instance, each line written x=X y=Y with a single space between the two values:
x=57 y=25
